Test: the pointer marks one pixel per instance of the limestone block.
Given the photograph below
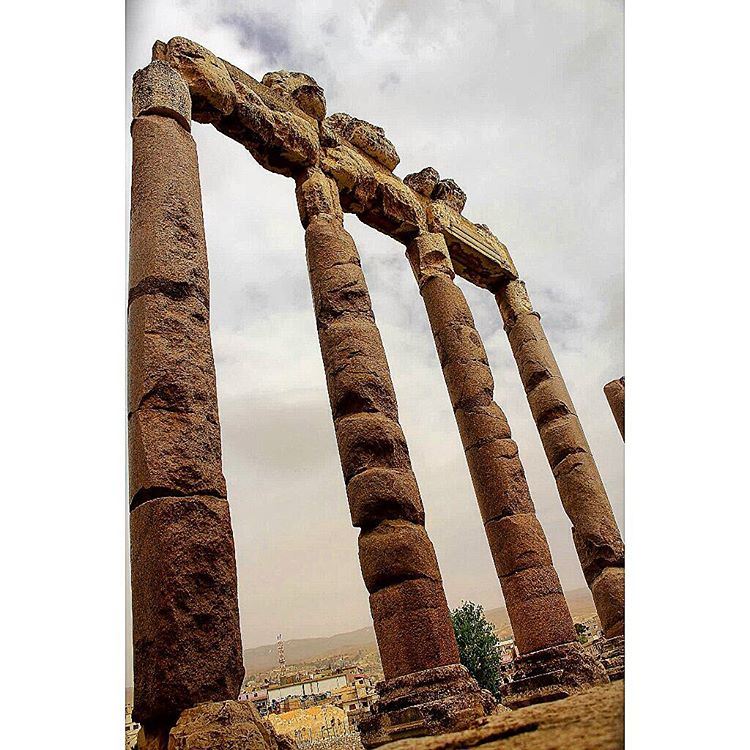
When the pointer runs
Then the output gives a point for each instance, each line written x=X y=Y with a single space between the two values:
x=396 y=550
x=541 y=622
x=398 y=205
x=317 y=194
x=428 y=256
x=445 y=303
x=171 y=366
x=482 y=425
x=513 y=300
x=470 y=384
x=338 y=291
x=159 y=89
x=531 y=583
x=176 y=452
x=518 y=543
x=301 y=88
x=549 y=400
x=167 y=242
x=380 y=493
x=225 y=725
x=361 y=384
x=449 y=192
x=368 y=138
x=281 y=141
x=209 y=82
x=499 y=480
x=608 y=591
x=423 y=182
x=328 y=244
x=413 y=627
x=368 y=441
x=459 y=343
x=595 y=532
x=353 y=173
x=348 y=338
x=186 y=636
x=562 y=437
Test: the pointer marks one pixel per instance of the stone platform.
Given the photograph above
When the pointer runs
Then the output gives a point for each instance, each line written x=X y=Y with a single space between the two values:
x=593 y=720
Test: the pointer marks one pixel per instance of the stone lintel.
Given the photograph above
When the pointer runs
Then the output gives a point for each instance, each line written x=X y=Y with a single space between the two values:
x=391 y=207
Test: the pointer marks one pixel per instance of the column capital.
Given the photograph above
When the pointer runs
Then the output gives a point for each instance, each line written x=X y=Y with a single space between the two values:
x=428 y=256
x=159 y=89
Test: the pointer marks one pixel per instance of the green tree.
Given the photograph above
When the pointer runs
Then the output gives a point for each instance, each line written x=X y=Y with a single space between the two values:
x=478 y=645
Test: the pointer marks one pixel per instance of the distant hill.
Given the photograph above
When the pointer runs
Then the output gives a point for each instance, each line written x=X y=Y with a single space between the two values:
x=304 y=650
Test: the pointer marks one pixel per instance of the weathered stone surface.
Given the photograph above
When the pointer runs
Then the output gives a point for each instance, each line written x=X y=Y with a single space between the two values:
x=395 y=550
x=186 y=638
x=167 y=241
x=369 y=441
x=428 y=256
x=225 y=725
x=451 y=193
x=353 y=173
x=174 y=453
x=413 y=627
x=470 y=384
x=328 y=244
x=595 y=532
x=423 y=182
x=499 y=480
x=608 y=591
x=368 y=138
x=171 y=366
x=281 y=141
x=445 y=303
x=593 y=720
x=317 y=194
x=159 y=89
x=432 y=701
x=211 y=88
x=484 y=424
x=377 y=494
x=301 y=88
x=341 y=290
x=615 y=393
x=518 y=543
x=460 y=343
x=562 y=436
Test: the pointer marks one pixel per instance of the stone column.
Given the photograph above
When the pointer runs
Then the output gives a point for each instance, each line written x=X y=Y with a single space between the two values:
x=539 y=615
x=409 y=610
x=186 y=635
x=615 y=393
x=595 y=533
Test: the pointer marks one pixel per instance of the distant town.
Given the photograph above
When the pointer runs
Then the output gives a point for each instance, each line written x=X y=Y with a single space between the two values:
x=320 y=703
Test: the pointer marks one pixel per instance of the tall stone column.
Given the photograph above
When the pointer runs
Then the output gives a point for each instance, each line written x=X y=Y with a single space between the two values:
x=539 y=615
x=424 y=681
x=186 y=635
x=595 y=533
x=615 y=393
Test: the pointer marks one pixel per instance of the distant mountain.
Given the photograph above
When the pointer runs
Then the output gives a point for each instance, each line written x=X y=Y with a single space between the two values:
x=304 y=650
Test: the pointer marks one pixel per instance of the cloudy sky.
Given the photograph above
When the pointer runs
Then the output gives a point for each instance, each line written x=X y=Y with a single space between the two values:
x=521 y=103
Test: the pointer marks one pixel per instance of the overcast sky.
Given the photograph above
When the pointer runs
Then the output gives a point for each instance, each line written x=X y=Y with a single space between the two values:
x=521 y=103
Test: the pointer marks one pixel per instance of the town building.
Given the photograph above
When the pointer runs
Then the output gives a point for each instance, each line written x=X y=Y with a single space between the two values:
x=310 y=724
x=355 y=698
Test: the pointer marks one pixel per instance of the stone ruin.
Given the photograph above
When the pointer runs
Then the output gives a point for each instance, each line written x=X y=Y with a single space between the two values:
x=186 y=636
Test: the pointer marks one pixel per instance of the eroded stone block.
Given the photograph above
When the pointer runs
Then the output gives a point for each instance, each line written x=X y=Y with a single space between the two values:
x=428 y=256
x=449 y=192
x=167 y=242
x=301 y=88
x=159 y=89
x=368 y=441
x=423 y=182
x=484 y=424
x=186 y=636
x=413 y=627
x=174 y=452
x=396 y=550
x=210 y=85
x=380 y=493
x=368 y=138
x=518 y=543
